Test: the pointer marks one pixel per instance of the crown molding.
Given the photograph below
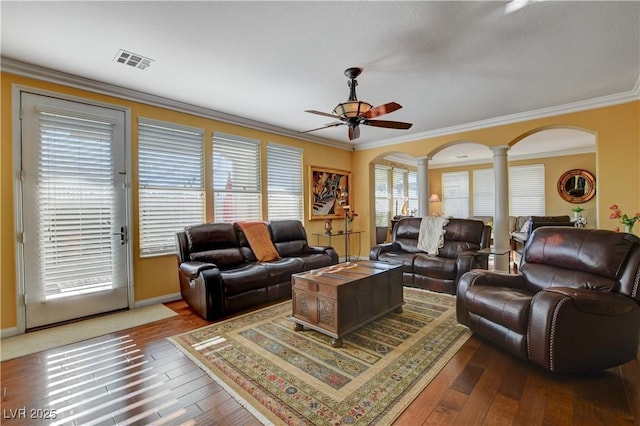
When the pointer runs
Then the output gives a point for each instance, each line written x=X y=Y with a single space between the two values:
x=588 y=104
x=489 y=160
x=24 y=69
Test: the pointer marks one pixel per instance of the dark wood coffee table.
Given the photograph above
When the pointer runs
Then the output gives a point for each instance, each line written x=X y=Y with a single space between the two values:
x=339 y=299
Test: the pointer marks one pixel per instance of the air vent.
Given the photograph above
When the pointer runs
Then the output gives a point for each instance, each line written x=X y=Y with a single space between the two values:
x=133 y=59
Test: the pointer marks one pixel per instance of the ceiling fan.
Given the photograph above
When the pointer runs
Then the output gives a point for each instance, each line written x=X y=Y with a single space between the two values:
x=353 y=113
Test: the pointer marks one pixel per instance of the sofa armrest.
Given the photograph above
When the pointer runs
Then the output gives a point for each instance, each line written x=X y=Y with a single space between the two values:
x=193 y=268
x=482 y=277
x=576 y=329
x=377 y=250
x=468 y=260
x=328 y=250
x=596 y=302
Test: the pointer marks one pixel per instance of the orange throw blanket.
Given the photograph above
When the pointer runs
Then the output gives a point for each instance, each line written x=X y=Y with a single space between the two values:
x=259 y=240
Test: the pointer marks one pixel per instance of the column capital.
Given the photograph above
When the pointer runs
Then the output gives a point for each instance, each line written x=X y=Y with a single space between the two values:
x=499 y=150
x=423 y=160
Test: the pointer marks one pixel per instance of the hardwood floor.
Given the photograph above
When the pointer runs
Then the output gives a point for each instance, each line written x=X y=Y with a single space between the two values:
x=137 y=377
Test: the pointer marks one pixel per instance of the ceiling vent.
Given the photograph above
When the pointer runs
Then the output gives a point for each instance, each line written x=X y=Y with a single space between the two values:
x=133 y=59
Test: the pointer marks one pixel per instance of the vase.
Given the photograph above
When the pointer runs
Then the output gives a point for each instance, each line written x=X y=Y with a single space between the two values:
x=576 y=216
x=328 y=226
x=628 y=228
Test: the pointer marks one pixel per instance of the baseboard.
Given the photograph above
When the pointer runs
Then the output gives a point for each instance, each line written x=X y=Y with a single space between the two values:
x=155 y=300
x=8 y=332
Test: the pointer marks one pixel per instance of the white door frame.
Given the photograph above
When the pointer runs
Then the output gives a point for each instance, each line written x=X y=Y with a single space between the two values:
x=16 y=91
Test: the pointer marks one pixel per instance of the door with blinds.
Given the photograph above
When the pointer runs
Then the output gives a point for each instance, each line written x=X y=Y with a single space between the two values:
x=74 y=209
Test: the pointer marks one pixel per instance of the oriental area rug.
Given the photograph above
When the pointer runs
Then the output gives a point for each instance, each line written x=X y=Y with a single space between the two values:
x=297 y=378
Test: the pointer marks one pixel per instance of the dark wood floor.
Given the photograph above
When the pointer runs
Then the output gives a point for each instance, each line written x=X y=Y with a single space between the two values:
x=137 y=377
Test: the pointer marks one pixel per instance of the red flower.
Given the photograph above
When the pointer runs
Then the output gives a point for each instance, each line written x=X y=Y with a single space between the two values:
x=624 y=219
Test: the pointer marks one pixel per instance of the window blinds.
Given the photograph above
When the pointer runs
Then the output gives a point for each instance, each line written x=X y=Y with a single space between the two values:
x=171 y=183
x=455 y=194
x=526 y=190
x=236 y=178
x=76 y=205
x=383 y=196
x=284 y=182
x=483 y=192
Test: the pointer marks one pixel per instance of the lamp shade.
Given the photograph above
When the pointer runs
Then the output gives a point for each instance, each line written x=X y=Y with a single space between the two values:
x=434 y=198
x=351 y=109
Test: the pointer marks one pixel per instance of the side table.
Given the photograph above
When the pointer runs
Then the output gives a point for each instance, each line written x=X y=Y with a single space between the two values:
x=491 y=251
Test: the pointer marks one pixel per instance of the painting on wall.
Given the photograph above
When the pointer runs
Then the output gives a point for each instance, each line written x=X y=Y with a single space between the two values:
x=327 y=187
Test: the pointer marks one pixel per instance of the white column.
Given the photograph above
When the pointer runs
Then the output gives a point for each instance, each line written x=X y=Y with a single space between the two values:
x=423 y=186
x=501 y=211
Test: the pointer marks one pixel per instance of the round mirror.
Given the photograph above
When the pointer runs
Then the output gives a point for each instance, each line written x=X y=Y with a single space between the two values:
x=577 y=186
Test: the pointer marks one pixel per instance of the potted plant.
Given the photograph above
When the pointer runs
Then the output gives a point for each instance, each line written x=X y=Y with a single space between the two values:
x=576 y=212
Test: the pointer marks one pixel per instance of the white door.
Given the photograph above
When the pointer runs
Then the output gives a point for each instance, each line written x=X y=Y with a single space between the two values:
x=74 y=209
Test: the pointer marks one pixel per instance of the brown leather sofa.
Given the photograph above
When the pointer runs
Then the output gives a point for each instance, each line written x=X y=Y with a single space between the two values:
x=440 y=273
x=574 y=306
x=519 y=238
x=219 y=273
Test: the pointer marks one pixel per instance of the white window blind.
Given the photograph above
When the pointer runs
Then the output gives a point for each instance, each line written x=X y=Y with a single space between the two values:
x=483 y=192
x=455 y=194
x=412 y=178
x=383 y=196
x=236 y=178
x=171 y=183
x=76 y=205
x=526 y=190
x=284 y=182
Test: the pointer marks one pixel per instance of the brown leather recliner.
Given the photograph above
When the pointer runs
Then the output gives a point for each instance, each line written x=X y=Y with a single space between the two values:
x=440 y=273
x=574 y=306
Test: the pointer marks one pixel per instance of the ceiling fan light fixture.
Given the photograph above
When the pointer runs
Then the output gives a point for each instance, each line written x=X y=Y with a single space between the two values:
x=351 y=109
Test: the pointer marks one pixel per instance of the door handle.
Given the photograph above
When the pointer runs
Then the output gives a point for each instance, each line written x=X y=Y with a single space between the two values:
x=124 y=237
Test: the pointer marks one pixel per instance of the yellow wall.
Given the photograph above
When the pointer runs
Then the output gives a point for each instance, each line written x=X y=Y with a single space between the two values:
x=155 y=276
x=554 y=167
x=617 y=171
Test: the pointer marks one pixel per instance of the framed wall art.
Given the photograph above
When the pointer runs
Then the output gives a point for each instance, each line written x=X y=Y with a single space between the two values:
x=328 y=187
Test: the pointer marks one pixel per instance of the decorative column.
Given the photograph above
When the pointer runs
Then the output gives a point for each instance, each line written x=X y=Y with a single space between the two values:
x=423 y=186
x=501 y=206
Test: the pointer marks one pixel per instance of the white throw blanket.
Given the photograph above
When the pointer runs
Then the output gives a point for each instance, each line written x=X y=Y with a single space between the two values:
x=431 y=236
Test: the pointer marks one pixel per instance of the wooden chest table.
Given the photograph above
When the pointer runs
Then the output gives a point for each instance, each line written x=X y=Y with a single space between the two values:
x=338 y=299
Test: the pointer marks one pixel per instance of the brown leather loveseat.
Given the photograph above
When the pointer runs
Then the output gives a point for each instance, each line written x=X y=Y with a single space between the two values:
x=573 y=307
x=440 y=273
x=219 y=272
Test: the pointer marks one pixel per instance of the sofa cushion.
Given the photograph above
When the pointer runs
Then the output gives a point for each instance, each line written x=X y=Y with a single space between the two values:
x=251 y=276
x=315 y=260
x=435 y=267
x=281 y=269
x=214 y=243
x=399 y=258
x=289 y=237
x=259 y=239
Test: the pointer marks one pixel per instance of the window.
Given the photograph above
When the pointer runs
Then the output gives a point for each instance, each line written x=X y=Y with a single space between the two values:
x=394 y=187
x=236 y=178
x=171 y=183
x=284 y=182
x=526 y=190
x=383 y=196
x=455 y=194
x=483 y=192
x=412 y=191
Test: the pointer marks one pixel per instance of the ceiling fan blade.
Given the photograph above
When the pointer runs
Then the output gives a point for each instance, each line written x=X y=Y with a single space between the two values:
x=388 y=124
x=381 y=110
x=354 y=132
x=326 y=114
x=338 y=123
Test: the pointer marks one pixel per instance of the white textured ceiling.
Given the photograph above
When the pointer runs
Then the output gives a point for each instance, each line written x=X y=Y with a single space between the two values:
x=448 y=63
